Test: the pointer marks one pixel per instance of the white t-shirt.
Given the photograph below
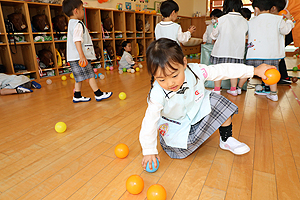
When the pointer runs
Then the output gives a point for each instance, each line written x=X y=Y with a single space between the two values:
x=172 y=31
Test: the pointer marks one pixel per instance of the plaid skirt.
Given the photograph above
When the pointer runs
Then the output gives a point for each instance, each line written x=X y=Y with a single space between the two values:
x=81 y=73
x=255 y=63
x=216 y=60
x=221 y=110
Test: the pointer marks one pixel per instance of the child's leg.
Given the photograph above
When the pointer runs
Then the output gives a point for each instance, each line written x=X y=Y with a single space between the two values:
x=227 y=142
x=273 y=93
x=217 y=88
x=240 y=85
x=77 y=94
x=99 y=95
x=6 y=91
x=233 y=90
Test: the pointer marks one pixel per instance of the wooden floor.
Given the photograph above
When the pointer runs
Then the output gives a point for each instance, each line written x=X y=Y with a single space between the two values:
x=38 y=163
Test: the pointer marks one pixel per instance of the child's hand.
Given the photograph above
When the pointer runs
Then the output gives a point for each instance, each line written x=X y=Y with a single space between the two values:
x=192 y=29
x=83 y=61
x=288 y=15
x=150 y=159
x=261 y=69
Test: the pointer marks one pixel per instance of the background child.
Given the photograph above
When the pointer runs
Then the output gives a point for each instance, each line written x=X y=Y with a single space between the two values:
x=230 y=35
x=266 y=39
x=12 y=84
x=214 y=15
x=246 y=13
x=167 y=28
x=80 y=50
x=185 y=113
x=126 y=59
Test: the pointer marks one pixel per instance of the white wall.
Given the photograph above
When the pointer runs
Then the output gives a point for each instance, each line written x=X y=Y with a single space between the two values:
x=186 y=7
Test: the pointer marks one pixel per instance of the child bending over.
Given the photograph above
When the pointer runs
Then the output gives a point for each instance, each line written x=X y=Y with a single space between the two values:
x=214 y=15
x=80 y=50
x=181 y=110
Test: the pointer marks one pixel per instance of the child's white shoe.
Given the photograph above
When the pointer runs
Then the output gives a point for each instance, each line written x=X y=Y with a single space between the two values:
x=81 y=99
x=234 y=93
x=272 y=97
x=233 y=145
x=239 y=91
x=217 y=92
x=105 y=95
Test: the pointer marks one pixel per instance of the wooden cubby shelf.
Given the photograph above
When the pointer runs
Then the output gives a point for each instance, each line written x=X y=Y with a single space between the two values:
x=124 y=28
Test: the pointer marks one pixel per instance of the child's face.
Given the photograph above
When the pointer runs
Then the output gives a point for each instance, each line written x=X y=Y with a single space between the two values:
x=173 y=79
x=128 y=47
x=79 y=12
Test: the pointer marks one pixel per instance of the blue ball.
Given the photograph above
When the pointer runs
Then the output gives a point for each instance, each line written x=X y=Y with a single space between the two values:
x=153 y=169
x=96 y=76
x=99 y=74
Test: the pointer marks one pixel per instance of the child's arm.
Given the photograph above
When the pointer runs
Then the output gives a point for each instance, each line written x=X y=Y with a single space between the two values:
x=184 y=37
x=129 y=59
x=233 y=70
x=286 y=26
x=205 y=36
x=78 y=39
x=148 y=133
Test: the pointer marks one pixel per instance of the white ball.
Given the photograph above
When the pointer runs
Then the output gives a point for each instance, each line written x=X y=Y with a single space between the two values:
x=258 y=88
x=120 y=71
x=294 y=56
x=48 y=81
x=140 y=65
x=102 y=76
x=132 y=70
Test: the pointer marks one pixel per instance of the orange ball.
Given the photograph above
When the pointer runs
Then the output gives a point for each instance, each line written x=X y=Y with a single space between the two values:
x=156 y=192
x=121 y=150
x=283 y=12
x=82 y=64
x=134 y=184
x=273 y=76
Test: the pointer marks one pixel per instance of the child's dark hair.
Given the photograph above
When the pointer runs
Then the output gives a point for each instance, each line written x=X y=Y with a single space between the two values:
x=69 y=5
x=263 y=5
x=216 y=13
x=279 y=4
x=124 y=44
x=162 y=53
x=230 y=5
x=167 y=7
x=246 y=13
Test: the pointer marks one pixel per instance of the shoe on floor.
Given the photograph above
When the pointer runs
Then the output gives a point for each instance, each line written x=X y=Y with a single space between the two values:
x=105 y=95
x=217 y=92
x=21 y=90
x=262 y=92
x=239 y=90
x=233 y=145
x=81 y=99
x=272 y=97
x=35 y=85
x=234 y=93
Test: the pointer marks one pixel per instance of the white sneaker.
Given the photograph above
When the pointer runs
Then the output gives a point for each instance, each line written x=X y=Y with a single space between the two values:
x=233 y=145
x=272 y=97
x=105 y=95
x=234 y=93
x=217 y=92
x=81 y=99
x=239 y=90
x=23 y=90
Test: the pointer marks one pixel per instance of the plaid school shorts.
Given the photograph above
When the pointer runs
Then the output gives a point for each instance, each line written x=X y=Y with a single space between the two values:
x=215 y=60
x=82 y=73
x=256 y=63
x=221 y=110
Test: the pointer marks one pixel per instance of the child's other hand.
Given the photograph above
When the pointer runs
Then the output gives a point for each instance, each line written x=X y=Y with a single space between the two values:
x=261 y=69
x=192 y=29
x=150 y=159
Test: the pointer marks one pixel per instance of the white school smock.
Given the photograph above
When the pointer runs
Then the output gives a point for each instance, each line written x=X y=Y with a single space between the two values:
x=230 y=35
x=174 y=112
x=87 y=44
x=12 y=81
x=171 y=31
x=206 y=35
x=126 y=61
x=267 y=37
